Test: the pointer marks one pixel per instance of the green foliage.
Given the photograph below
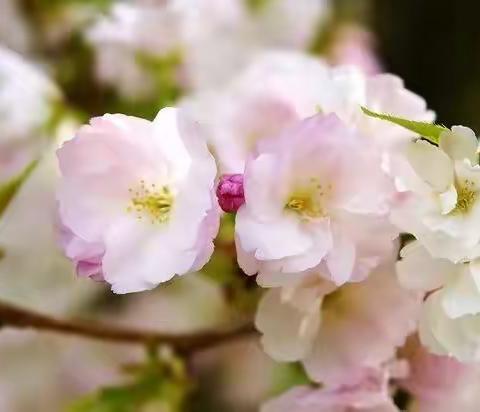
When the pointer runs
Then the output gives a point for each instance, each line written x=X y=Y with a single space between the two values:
x=164 y=71
x=286 y=376
x=257 y=6
x=52 y=5
x=10 y=188
x=429 y=131
x=158 y=385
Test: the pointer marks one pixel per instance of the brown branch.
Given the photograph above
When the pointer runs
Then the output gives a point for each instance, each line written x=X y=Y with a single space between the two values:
x=16 y=317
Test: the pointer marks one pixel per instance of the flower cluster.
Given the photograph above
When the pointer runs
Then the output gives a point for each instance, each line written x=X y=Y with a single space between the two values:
x=322 y=188
x=209 y=39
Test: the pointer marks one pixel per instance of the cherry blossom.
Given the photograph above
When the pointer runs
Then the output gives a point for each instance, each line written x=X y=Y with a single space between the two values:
x=451 y=311
x=368 y=394
x=338 y=333
x=315 y=194
x=280 y=88
x=440 y=205
x=136 y=198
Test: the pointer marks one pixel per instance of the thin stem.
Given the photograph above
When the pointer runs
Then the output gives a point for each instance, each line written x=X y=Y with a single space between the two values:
x=16 y=317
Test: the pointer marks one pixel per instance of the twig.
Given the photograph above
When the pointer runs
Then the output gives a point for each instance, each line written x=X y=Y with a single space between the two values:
x=16 y=317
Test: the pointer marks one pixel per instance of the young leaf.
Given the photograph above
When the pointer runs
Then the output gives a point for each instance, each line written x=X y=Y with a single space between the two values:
x=10 y=188
x=429 y=131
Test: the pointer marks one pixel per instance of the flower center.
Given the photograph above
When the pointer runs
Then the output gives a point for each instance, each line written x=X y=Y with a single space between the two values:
x=310 y=201
x=151 y=202
x=466 y=197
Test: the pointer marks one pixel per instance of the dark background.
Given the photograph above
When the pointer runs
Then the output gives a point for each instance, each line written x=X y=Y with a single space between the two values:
x=435 y=46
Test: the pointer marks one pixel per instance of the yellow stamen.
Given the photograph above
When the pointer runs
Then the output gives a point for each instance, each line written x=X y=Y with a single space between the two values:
x=466 y=197
x=154 y=204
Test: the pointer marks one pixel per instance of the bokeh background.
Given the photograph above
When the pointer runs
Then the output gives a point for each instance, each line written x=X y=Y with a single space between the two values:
x=89 y=57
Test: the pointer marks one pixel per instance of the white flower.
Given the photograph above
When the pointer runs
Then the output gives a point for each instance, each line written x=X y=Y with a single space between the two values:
x=451 y=313
x=214 y=38
x=441 y=203
x=138 y=195
x=26 y=97
x=280 y=88
x=338 y=333
x=315 y=194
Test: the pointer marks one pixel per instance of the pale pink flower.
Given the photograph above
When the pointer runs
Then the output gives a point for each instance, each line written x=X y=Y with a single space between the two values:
x=87 y=256
x=439 y=383
x=137 y=198
x=214 y=38
x=337 y=333
x=451 y=313
x=368 y=394
x=354 y=45
x=280 y=88
x=314 y=194
x=430 y=376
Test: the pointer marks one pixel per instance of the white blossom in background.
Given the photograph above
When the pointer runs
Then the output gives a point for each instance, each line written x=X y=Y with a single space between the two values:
x=337 y=333
x=354 y=45
x=213 y=38
x=128 y=31
x=136 y=200
x=26 y=98
x=43 y=281
x=280 y=88
x=451 y=313
x=441 y=203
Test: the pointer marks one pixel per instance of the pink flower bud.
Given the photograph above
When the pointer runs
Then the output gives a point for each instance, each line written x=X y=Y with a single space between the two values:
x=230 y=192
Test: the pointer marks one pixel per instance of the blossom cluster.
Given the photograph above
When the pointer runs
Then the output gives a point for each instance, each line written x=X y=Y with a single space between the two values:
x=322 y=189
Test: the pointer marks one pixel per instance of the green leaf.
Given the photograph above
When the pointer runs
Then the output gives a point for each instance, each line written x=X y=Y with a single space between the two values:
x=256 y=6
x=286 y=376
x=10 y=188
x=159 y=384
x=429 y=131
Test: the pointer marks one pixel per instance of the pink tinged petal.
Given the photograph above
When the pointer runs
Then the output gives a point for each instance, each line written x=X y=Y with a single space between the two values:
x=341 y=258
x=287 y=332
x=418 y=270
x=92 y=270
x=361 y=328
x=207 y=232
x=169 y=140
x=322 y=244
x=461 y=295
x=87 y=256
x=369 y=394
x=230 y=193
x=139 y=256
x=246 y=260
x=386 y=93
x=431 y=164
x=271 y=240
x=460 y=143
x=263 y=195
x=433 y=377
